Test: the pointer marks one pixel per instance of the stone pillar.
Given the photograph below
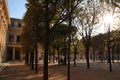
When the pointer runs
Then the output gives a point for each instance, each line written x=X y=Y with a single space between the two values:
x=0 y=57
x=13 y=53
x=38 y=55
x=15 y=39
x=21 y=56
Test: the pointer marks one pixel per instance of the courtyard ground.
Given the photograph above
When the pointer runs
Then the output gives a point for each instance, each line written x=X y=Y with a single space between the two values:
x=98 y=71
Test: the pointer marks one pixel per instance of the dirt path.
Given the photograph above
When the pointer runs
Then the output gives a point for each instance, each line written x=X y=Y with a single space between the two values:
x=19 y=71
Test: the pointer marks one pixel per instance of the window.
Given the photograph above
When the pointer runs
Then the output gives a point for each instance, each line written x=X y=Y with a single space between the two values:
x=0 y=22
x=18 y=39
x=0 y=47
x=12 y=24
x=0 y=4
x=19 y=25
x=11 y=37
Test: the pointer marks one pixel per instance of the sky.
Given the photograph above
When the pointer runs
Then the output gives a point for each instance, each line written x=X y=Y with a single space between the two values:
x=16 y=8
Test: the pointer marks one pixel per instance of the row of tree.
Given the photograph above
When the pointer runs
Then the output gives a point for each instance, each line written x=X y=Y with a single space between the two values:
x=42 y=18
x=99 y=45
x=55 y=24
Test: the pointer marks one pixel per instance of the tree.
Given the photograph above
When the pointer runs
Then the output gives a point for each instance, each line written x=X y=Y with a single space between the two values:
x=60 y=10
x=115 y=3
x=35 y=25
x=85 y=20
x=59 y=38
x=53 y=13
x=114 y=39
x=75 y=42
x=98 y=44
x=110 y=9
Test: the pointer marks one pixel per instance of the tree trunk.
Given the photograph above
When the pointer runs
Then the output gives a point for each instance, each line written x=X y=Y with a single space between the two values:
x=109 y=55
x=68 y=71
x=32 y=58
x=118 y=57
x=101 y=57
x=113 y=54
x=65 y=53
x=45 y=75
x=87 y=57
x=58 y=55
x=69 y=41
x=65 y=57
x=53 y=58
x=29 y=60
x=94 y=55
x=26 y=58
x=36 y=59
x=75 y=52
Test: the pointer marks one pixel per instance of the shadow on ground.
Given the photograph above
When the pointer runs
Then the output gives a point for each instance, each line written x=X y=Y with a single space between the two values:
x=59 y=72
x=19 y=72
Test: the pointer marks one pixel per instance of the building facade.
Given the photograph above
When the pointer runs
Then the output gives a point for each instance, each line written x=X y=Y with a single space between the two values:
x=4 y=22
x=14 y=47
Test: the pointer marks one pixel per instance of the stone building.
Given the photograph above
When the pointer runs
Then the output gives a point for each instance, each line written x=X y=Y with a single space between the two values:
x=4 y=22
x=14 y=47
x=13 y=40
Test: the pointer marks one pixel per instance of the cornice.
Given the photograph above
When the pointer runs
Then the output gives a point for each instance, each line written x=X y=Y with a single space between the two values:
x=5 y=4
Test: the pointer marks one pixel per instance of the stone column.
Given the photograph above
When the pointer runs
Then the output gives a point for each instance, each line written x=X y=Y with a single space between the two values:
x=13 y=53
x=21 y=56
x=15 y=37
x=0 y=57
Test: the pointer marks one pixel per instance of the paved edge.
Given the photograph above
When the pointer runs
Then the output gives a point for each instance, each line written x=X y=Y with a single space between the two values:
x=2 y=68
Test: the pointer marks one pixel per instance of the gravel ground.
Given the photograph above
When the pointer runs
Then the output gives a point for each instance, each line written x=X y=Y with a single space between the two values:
x=98 y=71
